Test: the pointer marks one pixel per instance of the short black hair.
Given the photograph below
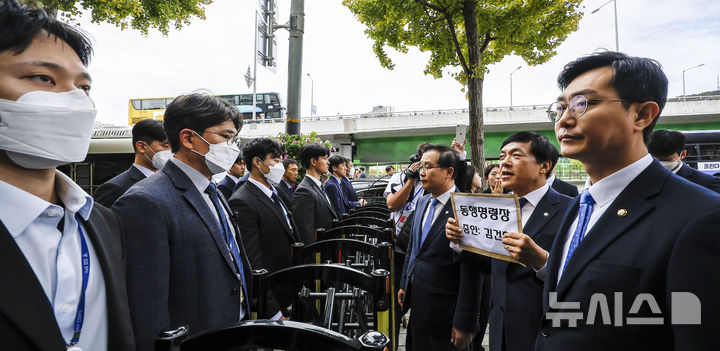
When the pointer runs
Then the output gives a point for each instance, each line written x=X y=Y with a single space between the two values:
x=636 y=79
x=240 y=159
x=666 y=142
x=288 y=161
x=148 y=130
x=540 y=147
x=335 y=161
x=261 y=147
x=20 y=24
x=197 y=112
x=311 y=151
x=447 y=158
x=489 y=169
x=388 y=168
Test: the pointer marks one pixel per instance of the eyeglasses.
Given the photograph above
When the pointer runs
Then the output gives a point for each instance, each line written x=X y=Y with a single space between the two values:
x=577 y=107
x=231 y=140
x=425 y=168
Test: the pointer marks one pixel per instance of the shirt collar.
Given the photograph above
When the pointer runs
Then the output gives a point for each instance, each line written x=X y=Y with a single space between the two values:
x=608 y=188
x=268 y=192
x=674 y=171
x=337 y=178
x=197 y=178
x=146 y=171
x=550 y=179
x=444 y=197
x=19 y=208
x=536 y=195
x=234 y=178
x=317 y=181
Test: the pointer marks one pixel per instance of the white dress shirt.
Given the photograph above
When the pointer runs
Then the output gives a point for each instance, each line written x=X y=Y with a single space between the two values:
x=442 y=200
x=55 y=257
x=604 y=192
x=146 y=171
x=533 y=199
x=201 y=183
x=550 y=180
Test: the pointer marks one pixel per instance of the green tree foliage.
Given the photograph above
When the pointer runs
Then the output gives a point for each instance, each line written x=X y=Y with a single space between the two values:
x=469 y=35
x=293 y=144
x=138 y=14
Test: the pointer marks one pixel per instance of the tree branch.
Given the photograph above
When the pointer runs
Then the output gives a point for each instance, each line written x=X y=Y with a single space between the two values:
x=486 y=42
x=451 y=26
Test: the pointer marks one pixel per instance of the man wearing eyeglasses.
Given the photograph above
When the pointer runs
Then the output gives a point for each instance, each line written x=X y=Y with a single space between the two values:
x=442 y=291
x=630 y=243
x=186 y=264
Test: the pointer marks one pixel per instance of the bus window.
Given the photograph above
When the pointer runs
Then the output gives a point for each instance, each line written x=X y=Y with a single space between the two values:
x=136 y=104
x=153 y=104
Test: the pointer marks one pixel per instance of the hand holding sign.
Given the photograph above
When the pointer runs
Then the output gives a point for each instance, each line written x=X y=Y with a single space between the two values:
x=483 y=220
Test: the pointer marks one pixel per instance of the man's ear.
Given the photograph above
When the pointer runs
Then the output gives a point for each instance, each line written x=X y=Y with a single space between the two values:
x=683 y=154
x=545 y=167
x=140 y=146
x=186 y=138
x=646 y=114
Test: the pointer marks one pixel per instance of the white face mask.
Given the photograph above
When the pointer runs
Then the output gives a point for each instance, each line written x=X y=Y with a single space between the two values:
x=220 y=157
x=274 y=176
x=160 y=158
x=670 y=165
x=44 y=130
x=351 y=172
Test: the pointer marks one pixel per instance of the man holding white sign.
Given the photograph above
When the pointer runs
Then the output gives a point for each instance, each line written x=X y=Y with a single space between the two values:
x=516 y=298
x=442 y=291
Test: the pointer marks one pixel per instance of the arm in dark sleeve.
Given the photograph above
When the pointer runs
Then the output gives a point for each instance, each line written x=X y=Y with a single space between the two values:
x=303 y=211
x=148 y=266
x=333 y=193
x=107 y=194
x=248 y=221
x=408 y=253
x=692 y=277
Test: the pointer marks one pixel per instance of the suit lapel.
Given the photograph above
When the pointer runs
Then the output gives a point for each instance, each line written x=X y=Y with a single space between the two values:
x=267 y=202
x=321 y=194
x=135 y=174
x=196 y=201
x=543 y=213
x=22 y=299
x=436 y=229
x=633 y=199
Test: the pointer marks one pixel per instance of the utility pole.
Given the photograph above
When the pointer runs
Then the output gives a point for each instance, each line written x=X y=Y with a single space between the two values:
x=255 y=60
x=297 y=28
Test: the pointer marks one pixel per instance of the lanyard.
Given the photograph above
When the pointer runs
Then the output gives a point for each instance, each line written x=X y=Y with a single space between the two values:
x=410 y=200
x=85 y=261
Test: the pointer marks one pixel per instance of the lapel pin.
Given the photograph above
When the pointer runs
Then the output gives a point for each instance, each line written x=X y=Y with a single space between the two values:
x=622 y=212
x=546 y=214
x=446 y=212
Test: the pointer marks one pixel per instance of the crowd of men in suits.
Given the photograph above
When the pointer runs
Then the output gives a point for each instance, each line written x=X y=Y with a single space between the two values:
x=163 y=245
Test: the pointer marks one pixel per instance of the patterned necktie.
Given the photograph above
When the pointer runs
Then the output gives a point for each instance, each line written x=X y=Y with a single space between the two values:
x=280 y=206
x=584 y=212
x=225 y=229
x=428 y=220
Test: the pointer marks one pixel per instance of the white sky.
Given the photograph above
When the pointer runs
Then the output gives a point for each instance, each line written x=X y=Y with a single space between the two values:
x=214 y=54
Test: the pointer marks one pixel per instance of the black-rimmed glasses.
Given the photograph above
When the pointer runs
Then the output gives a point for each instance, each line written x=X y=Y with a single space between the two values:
x=577 y=107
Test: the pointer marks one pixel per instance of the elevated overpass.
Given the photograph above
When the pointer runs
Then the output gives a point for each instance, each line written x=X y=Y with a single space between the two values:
x=392 y=136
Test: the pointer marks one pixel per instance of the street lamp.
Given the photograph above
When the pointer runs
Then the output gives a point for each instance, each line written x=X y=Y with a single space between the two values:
x=511 y=73
x=312 y=91
x=685 y=70
x=617 y=42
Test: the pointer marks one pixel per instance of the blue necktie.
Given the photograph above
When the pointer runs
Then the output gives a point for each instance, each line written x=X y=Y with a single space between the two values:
x=586 y=208
x=522 y=201
x=428 y=220
x=225 y=229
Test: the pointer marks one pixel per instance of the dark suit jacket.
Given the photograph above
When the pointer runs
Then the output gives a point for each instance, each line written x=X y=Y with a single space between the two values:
x=666 y=240
x=516 y=303
x=226 y=186
x=564 y=187
x=441 y=290
x=700 y=178
x=107 y=193
x=27 y=320
x=241 y=181
x=311 y=210
x=336 y=194
x=350 y=192
x=179 y=271
x=266 y=235
x=284 y=192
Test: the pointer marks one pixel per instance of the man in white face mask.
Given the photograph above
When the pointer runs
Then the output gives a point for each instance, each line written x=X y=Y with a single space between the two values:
x=668 y=147
x=185 y=261
x=63 y=279
x=266 y=222
x=152 y=150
